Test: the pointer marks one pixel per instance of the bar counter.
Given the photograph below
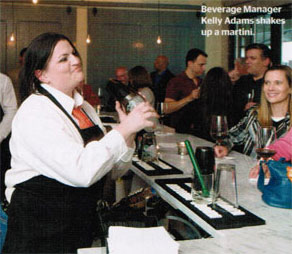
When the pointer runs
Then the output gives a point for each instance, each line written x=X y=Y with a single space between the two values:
x=273 y=237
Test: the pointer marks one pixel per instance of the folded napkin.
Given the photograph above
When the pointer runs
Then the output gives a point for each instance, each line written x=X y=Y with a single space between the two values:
x=141 y=240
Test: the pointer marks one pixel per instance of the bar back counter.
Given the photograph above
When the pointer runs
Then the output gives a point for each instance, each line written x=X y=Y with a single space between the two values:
x=266 y=229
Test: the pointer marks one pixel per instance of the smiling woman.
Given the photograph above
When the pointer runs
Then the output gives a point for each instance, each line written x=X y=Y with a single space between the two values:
x=275 y=109
x=276 y=94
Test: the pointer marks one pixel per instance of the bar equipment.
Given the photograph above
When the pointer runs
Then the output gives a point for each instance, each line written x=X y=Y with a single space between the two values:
x=181 y=148
x=225 y=186
x=149 y=147
x=128 y=98
x=202 y=184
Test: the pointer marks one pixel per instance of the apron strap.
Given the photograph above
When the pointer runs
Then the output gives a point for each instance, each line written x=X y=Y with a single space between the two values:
x=92 y=133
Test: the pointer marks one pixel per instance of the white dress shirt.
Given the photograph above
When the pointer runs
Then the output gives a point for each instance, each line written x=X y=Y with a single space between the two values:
x=8 y=104
x=45 y=142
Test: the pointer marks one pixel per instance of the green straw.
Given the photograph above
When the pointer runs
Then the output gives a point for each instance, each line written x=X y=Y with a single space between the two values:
x=205 y=192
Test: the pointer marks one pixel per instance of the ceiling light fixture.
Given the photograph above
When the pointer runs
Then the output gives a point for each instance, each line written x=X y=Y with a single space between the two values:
x=88 y=40
x=12 y=37
x=158 y=41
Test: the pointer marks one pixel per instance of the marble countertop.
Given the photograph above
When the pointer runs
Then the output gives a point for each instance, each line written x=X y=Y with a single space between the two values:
x=273 y=237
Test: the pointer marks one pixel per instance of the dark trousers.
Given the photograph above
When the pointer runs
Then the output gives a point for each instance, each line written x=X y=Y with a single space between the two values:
x=45 y=216
x=5 y=158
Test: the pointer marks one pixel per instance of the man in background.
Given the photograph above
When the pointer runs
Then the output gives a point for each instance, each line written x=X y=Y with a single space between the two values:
x=240 y=69
x=121 y=74
x=247 y=90
x=183 y=91
x=8 y=108
x=160 y=77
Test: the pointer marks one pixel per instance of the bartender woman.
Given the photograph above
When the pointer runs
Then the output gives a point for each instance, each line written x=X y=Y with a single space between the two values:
x=60 y=152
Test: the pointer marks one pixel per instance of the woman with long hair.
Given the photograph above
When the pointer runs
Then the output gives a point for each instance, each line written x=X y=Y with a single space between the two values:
x=215 y=99
x=140 y=81
x=275 y=109
x=60 y=152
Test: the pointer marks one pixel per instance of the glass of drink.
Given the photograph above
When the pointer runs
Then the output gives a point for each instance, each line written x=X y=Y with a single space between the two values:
x=160 y=109
x=219 y=128
x=250 y=96
x=206 y=161
x=265 y=136
x=100 y=94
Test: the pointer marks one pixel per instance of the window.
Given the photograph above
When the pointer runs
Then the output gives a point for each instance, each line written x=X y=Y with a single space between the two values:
x=277 y=37
x=287 y=43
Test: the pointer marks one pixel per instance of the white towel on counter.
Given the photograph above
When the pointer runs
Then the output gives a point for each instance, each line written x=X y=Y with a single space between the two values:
x=130 y=240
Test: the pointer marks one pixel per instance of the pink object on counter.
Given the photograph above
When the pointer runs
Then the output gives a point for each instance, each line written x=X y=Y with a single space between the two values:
x=283 y=146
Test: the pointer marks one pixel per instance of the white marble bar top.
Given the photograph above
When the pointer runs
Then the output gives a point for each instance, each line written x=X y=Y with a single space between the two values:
x=274 y=237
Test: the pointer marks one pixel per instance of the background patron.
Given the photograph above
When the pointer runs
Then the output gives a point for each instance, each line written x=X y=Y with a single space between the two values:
x=183 y=91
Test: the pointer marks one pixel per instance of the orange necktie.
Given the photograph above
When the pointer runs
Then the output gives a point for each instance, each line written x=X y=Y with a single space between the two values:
x=83 y=120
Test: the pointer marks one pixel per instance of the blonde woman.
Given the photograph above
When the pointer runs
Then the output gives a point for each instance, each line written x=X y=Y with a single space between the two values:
x=275 y=109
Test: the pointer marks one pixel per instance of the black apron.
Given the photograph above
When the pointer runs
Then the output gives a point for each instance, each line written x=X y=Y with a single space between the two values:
x=46 y=216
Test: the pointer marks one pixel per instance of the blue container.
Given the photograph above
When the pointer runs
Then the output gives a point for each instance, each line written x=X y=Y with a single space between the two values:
x=3 y=227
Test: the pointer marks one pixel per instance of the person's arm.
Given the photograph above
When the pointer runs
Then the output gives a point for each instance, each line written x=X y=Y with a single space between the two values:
x=45 y=142
x=236 y=136
x=9 y=106
x=173 y=105
x=283 y=147
x=135 y=121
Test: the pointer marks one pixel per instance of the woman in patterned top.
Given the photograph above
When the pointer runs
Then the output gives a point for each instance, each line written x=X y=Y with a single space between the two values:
x=275 y=109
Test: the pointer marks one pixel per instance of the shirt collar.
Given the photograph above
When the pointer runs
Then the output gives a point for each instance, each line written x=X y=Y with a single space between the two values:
x=67 y=102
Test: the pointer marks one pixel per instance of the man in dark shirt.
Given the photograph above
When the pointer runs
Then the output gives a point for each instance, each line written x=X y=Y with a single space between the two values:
x=160 y=77
x=182 y=93
x=258 y=60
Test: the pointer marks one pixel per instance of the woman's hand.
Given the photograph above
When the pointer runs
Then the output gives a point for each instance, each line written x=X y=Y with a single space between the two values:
x=249 y=105
x=138 y=119
x=254 y=172
x=220 y=151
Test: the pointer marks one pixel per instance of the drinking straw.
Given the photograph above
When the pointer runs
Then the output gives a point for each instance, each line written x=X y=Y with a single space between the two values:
x=205 y=192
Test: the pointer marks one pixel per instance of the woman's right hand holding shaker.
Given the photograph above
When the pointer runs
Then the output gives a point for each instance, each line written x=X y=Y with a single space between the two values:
x=138 y=119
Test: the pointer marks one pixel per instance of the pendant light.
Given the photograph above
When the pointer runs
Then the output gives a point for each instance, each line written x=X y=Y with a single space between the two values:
x=88 y=40
x=158 y=41
x=12 y=37
x=35 y=1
